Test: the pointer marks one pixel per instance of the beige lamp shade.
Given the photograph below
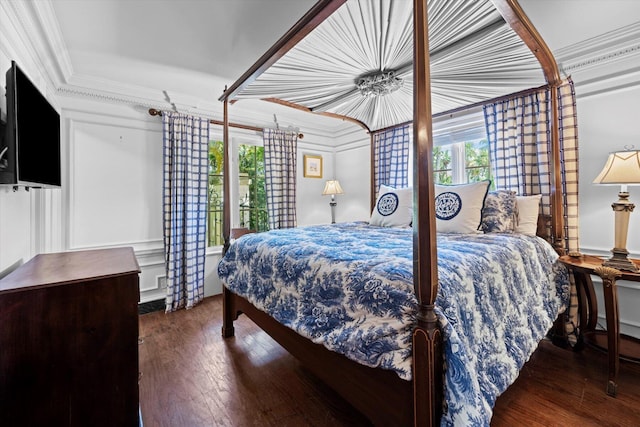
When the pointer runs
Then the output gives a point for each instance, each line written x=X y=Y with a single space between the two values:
x=331 y=188
x=622 y=167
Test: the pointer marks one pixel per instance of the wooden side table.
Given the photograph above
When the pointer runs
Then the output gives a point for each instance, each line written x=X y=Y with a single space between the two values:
x=617 y=345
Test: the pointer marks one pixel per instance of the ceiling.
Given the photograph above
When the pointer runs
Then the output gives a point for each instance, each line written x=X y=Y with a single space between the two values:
x=220 y=37
x=195 y=47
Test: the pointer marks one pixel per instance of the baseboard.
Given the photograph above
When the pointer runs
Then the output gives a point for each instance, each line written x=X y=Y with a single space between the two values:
x=151 y=306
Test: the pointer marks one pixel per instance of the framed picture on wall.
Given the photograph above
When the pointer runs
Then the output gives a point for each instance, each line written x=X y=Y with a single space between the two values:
x=312 y=166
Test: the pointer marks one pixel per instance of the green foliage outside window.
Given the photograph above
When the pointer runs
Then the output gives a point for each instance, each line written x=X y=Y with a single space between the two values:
x=476 y=165
x=477 y=161
x=253 y=194
x=442 y=165
x=216 y=201
x=252 y=198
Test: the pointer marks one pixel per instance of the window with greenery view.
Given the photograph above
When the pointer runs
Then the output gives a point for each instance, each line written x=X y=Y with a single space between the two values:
x=214 y=215
x=252 y=198
x=252 y=190
x=462 y=162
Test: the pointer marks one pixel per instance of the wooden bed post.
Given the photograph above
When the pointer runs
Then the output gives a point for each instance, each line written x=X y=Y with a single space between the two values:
x=427 y=337
x=372 y=179
x=227 y=309
x=557 y=223
x=226 y=192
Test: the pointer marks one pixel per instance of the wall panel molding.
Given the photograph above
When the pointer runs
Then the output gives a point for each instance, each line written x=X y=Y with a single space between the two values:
x=77 y=122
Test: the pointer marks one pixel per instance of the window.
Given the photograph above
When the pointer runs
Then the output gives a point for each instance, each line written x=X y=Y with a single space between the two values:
x=249 y=180
x=476 y=160
x=442 y=165
x=252 y=191
x=214 y=215
x=461 y=149
x=461 y=162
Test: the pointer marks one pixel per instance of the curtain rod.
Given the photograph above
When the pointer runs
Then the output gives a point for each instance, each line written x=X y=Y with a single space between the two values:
x=155 y=112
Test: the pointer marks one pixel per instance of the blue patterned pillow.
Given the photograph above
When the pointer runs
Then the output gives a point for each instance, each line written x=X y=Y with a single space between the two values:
x=394 y=207
x=500 y=212
x=459 y=207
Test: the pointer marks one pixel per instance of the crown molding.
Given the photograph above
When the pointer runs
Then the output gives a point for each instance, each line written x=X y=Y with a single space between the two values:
x=37 y=34
x=90 y=88
x=601 y=52
x=109 y=91
x=13 y=39
x=52 y=42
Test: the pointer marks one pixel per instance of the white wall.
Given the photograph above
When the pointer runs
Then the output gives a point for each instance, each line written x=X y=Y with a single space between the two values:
x=113 y=186
x=25 y=217
x=353 y=170
x=312 y=206
x=112 y=165
x=608 y=121
x=111 y=151
x=15 y=229
x=112 y=183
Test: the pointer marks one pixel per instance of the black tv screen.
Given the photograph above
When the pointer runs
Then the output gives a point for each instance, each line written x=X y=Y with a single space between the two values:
x=32 y=135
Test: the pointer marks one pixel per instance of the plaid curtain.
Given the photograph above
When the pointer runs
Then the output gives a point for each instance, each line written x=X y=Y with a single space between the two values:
x=280 y=154
x=186 y=146
x=391 y=157
x=519 y=134
x=569 y=162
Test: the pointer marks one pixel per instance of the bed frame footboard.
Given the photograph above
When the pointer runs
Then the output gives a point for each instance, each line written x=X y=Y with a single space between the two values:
x=379 y=394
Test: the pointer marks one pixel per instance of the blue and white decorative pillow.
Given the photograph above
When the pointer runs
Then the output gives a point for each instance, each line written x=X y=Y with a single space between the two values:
x=459 y=207
x=394 y=207
x=500 y=211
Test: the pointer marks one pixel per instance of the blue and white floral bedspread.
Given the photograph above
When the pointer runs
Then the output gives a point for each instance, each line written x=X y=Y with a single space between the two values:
x=350 y=287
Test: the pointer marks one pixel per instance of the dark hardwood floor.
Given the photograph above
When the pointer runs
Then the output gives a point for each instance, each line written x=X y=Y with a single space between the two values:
x=190 y=376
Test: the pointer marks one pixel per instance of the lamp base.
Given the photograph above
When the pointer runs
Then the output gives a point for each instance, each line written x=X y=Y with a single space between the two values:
x=620 y=261
x=333 y=211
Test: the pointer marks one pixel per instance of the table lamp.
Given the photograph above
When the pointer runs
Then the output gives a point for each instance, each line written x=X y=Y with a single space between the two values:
x=622 y=168
x=332 y=188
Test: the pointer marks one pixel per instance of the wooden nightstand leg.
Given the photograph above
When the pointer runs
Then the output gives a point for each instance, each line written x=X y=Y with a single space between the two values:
x=592 y=304
x=613 y=332
x=587 y=308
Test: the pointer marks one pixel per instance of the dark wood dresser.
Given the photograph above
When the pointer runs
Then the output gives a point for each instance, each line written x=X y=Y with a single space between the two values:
x=69 y=340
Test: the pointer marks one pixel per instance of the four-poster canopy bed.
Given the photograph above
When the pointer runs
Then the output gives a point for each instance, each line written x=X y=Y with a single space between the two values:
x=423 y=54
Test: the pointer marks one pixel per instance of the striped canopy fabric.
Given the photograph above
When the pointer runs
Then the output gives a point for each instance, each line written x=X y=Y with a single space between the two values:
x=470 y=43
x=186 y=163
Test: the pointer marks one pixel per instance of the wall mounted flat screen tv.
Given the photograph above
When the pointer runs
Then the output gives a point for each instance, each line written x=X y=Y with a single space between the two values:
x=30 y=151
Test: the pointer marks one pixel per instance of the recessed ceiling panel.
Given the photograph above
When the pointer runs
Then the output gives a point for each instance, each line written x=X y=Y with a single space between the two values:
x=475 y=56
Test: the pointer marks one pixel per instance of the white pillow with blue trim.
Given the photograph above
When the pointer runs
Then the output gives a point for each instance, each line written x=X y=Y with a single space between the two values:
x=459 y=207
x=394 y=207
